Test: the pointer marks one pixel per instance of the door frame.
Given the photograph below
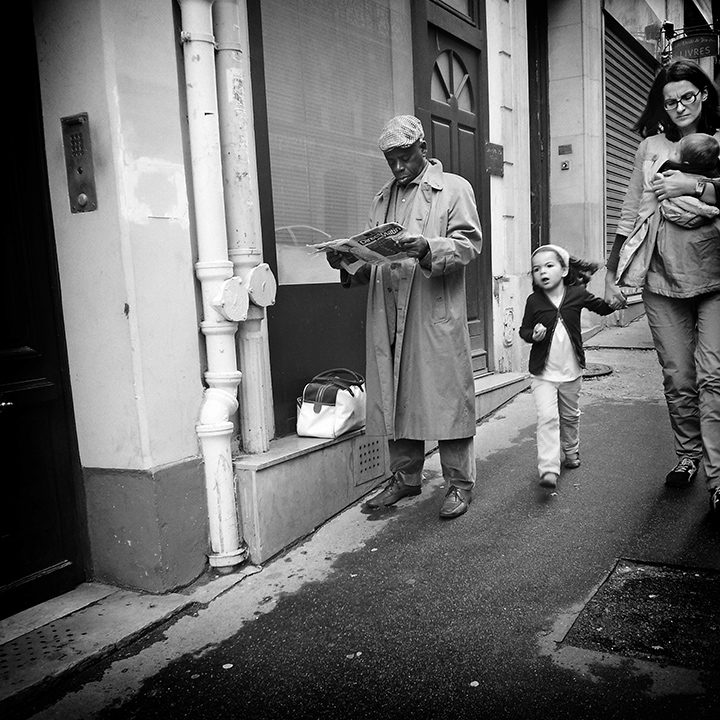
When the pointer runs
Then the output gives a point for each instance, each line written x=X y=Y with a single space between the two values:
x=434 y=12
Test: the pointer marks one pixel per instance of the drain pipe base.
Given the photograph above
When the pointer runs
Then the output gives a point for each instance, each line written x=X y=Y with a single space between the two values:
x=226 y=562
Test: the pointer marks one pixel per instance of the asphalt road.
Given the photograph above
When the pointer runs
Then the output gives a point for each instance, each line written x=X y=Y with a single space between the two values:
x=396 y=614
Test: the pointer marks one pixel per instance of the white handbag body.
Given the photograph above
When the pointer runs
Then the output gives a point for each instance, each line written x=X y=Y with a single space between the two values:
x=332 y=404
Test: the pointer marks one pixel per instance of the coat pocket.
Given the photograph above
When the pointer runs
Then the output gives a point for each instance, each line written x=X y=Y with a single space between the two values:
x=702 y=249
x=439 y=300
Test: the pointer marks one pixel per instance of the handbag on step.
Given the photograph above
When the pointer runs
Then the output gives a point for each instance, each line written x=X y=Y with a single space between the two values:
x=332 y=403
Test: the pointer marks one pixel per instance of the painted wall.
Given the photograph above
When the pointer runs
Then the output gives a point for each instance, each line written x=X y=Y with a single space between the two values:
x=128 y=286
x=577 y=122
x=126 y=270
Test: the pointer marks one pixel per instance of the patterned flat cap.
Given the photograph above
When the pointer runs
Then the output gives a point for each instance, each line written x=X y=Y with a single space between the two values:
x=401 y=131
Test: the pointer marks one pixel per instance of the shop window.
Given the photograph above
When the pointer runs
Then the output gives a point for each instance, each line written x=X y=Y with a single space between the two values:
x=335 y=71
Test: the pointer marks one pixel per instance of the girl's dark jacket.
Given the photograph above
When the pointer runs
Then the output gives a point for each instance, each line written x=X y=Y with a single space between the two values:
x=540 y=309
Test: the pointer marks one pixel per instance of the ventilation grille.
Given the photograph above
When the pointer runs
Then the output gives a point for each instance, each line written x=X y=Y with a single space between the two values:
x=369 y=460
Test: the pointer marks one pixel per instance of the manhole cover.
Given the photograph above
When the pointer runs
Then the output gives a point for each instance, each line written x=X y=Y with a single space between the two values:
x=596 y=370
x=654 y=612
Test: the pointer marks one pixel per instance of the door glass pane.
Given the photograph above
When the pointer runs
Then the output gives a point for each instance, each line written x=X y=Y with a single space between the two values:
x=336 y=71
x=462 y=6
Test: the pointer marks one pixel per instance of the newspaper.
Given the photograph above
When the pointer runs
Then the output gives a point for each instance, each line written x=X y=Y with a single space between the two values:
x=376 y=245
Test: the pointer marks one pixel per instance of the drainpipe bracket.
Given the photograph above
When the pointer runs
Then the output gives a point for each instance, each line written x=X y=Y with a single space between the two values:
x=186 y=37
x=228 y=45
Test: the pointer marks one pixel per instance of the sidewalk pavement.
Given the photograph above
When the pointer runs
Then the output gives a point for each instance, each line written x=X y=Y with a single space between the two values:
x=47 y=643
x=44 y=648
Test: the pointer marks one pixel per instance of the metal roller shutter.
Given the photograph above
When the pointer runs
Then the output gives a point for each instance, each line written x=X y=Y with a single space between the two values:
x=629 y=72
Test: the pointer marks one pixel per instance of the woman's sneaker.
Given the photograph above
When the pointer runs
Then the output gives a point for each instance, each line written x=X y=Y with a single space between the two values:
x=683 y=473
x=572 y=461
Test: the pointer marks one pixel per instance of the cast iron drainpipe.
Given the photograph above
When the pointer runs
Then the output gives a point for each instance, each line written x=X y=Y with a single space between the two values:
x=224 y=298
x=242 y=216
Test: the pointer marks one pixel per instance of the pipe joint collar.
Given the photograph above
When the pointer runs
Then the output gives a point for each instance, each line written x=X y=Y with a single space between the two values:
x=226 y=381
x=214 y=270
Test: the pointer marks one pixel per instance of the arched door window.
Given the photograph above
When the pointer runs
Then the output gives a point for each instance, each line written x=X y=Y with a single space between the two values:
x=450 y=82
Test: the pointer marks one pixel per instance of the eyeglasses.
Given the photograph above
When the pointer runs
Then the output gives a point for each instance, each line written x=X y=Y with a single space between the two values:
x=687 y=100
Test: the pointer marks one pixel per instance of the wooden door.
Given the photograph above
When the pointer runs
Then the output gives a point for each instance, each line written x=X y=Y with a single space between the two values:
x=449 y=96
x=41 y=542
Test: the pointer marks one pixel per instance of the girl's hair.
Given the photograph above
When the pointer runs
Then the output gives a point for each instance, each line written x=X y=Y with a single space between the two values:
x=579 y=271
x=655 y=119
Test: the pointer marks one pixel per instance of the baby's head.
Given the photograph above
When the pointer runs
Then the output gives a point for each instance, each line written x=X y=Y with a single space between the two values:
x=697 y=149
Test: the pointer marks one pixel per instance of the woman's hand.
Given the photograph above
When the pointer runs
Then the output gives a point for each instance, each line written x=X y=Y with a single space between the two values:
x=615 y=298
x=672 y=184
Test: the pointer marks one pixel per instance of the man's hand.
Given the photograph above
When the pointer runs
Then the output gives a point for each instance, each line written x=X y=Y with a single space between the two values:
x=671 y=184
x=334 y=258
x=415 y=246
x=539 y=332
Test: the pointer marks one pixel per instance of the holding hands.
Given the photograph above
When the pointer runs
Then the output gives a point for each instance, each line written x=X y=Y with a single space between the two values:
x=614 y=297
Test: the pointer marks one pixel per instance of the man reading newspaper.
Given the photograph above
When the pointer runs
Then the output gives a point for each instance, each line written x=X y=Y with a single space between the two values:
x=419 y=374
x=376 y=245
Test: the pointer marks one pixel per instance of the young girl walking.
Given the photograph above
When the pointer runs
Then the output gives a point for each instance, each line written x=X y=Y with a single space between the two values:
x=552 y=324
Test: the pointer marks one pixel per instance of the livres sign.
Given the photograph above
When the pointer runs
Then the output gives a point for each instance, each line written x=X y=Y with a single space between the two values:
x=696 y=47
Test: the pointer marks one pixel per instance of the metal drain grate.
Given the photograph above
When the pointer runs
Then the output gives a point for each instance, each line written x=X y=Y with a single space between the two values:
x=652 y=612
x=369 y=461
x=46 y=644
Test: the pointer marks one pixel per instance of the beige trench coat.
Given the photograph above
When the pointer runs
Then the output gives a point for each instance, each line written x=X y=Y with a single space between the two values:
x=425 y=391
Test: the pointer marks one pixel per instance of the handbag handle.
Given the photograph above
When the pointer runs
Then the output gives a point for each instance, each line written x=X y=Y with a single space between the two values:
x=335 y=376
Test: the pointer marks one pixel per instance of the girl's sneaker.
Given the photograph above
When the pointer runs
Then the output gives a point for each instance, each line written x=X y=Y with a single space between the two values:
x=572 y=461
x=549 y=480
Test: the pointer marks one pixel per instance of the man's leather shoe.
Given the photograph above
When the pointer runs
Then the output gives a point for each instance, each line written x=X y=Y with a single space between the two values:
x=395 y=490
x=456 y=502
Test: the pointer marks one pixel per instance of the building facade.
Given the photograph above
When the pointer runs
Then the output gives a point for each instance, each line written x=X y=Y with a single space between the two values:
x=163 y=312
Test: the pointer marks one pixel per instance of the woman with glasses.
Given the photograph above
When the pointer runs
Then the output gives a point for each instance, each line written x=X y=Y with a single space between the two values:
x=678 y=268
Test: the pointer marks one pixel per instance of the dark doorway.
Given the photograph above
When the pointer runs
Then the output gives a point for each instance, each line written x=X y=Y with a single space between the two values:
x=42 y=518
x=537 y=29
